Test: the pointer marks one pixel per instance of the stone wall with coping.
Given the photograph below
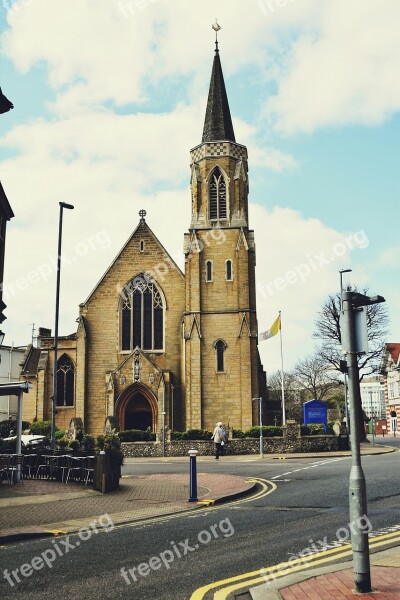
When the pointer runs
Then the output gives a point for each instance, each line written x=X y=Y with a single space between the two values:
x=272 y=445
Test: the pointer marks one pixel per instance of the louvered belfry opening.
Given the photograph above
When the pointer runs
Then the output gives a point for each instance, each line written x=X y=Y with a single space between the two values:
x=218 y=209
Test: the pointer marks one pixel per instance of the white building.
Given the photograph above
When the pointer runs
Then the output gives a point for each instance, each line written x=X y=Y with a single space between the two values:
x=373 y=397
x=391 y=371
x=9 y=372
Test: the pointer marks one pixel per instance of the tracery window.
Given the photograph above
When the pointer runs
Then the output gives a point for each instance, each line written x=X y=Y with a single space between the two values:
x=142 y=315
x=65 y=381
x=217 y=196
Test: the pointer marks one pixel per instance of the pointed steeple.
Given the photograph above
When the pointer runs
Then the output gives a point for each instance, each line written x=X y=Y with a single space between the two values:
x=218 y=121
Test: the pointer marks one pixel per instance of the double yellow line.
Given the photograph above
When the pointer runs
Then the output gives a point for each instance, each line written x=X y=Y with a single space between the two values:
x=271 y=573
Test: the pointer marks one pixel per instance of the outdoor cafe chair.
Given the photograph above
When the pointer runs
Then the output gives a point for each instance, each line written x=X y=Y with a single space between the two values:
x=16 y=466
x=75 y=467
x=47 y=466
x=88 y=468
x=30 y=465
x=4 y=467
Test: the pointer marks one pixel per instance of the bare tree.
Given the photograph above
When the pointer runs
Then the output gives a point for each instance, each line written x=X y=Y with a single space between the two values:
x=293 y=399
x=316 y=376
x=328 y=332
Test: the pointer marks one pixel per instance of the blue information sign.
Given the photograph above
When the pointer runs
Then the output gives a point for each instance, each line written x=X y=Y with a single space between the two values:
x=315 y=411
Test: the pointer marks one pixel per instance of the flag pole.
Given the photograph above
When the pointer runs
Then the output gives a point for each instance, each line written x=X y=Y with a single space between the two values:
x=283 y=387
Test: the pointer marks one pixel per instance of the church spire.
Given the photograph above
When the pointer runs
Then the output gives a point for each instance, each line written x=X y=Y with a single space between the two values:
x=218 y=122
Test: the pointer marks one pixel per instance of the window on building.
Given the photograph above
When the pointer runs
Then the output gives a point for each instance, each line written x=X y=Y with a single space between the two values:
x=141 y=246
x=229 y=275
x=142 y=319
x=391 y=390
x=220 y=348
x=209 y=270
x=65 y=381
x=217 y=196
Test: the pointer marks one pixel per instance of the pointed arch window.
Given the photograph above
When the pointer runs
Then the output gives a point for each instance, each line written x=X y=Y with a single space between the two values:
x=209 y=270
x=142 y=319
x=65 y=381
x=217 y=196
x=220 y=348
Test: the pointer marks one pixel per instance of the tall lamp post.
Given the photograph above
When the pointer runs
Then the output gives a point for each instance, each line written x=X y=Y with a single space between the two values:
x=54 y=407
x=346 y=407
x=261 y=434
x=352 y=301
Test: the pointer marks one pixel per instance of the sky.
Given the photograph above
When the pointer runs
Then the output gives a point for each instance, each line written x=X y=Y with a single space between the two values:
x=109 y=99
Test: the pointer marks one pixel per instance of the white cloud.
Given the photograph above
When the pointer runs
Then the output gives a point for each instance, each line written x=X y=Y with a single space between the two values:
x=343 y=71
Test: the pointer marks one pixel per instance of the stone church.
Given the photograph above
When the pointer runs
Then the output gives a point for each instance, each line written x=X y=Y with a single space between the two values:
x=156 y=347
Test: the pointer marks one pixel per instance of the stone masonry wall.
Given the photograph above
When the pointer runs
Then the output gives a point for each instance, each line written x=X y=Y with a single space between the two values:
x=278 y=445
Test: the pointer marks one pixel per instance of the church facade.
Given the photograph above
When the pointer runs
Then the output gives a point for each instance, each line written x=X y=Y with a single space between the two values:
x=158 y=348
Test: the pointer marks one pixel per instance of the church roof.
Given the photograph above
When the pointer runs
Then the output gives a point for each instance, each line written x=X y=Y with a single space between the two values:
x=218 y=121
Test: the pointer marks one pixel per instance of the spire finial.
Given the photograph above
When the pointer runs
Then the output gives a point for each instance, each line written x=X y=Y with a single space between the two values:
x=216 y=28
x=142 y=214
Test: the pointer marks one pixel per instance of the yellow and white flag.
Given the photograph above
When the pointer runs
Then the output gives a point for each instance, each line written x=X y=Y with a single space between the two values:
x=273 y=330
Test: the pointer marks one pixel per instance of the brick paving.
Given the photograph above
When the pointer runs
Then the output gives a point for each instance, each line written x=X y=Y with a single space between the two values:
x=50 y=505
x=385 y=582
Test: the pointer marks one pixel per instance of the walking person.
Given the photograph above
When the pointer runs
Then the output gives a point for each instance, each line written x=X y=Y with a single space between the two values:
x=218 y=436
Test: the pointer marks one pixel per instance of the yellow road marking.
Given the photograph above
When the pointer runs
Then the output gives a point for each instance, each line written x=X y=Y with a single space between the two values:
x=282 y=569
x=162 y=518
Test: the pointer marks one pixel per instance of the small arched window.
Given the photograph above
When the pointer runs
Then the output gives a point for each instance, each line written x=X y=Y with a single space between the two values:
x=209 y=270
x=220 y=348
x=229 y=274
x=142 y=315
x=217 y=196
x=65 y=381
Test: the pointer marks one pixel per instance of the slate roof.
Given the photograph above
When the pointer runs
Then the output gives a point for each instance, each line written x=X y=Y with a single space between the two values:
x=31 y=361
x=218 y=122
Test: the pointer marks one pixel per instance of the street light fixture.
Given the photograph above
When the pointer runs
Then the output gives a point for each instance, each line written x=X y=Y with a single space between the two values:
x=54 y=404
x=261 y=435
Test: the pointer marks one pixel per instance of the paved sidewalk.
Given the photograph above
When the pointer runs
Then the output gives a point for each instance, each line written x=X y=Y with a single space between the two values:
x=36 y=506
x=335 y=582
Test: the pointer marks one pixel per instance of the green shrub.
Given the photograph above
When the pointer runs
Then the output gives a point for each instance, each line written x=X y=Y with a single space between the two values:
x=177 y=436
x=317 y=429
x=198 y=434
x=63 y=442
x=238 y=433
x=41 y=428
x=74 y=445
x=11 y=425
x=136 y=435
x=111 y=444
x=59 y=434
x=88 y=442
x=267 y=431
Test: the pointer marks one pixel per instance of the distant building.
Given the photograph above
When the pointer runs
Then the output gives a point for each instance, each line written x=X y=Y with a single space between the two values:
x=9 y=372
x=391 y=372
x=373 y=397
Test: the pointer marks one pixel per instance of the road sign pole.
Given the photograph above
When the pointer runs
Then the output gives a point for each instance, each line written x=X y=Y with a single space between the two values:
x=357 y=487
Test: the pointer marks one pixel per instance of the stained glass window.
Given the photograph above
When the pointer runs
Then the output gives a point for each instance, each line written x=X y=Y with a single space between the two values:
x=142 y=319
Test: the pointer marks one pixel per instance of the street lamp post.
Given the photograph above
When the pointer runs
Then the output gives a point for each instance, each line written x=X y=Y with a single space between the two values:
x=54 y=405
x=352 y=301
x=261 y=435
x=346 y=407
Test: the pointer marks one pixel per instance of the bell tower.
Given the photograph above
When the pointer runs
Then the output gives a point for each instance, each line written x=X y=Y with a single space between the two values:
x=222 y=369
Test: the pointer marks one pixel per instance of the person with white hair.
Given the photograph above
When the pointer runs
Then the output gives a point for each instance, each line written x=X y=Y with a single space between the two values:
x=219 y=438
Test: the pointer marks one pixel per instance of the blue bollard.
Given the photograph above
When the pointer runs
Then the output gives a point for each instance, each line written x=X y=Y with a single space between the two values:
x=193 y=475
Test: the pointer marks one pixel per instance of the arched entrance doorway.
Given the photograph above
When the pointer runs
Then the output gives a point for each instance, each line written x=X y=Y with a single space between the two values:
x=137 y=408
x=138 y=414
